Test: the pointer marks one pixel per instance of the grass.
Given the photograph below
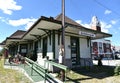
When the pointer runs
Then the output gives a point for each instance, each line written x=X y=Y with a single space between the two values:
x=95 y=75
x=11 y=76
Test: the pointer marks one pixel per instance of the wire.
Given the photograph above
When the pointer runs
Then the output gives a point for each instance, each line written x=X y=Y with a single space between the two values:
x=107 y=8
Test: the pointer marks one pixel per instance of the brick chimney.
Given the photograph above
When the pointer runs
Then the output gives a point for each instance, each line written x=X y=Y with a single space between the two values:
x=95 y=24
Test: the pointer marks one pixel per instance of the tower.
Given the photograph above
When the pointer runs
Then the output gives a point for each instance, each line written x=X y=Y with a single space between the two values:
x=95 y=24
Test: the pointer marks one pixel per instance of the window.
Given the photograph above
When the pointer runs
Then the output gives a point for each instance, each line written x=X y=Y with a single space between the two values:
x=23 y=48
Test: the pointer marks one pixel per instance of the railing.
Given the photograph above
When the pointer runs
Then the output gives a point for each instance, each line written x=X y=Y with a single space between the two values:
x=34 y=66
x=43 y=71
x=60 y=66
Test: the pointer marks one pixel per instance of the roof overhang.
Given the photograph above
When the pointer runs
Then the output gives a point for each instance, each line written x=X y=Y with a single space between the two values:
x=13 y=41
x=86 y=32
x=45 y=23
x=40 y=27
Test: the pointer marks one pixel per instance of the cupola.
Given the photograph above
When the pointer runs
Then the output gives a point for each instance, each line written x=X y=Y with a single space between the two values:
x=95 y=24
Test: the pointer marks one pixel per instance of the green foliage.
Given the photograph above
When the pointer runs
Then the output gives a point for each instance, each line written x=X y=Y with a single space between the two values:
x=117 y=70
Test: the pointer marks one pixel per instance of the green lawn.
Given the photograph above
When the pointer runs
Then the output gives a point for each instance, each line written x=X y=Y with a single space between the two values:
x=95 y=75
x=11 y=76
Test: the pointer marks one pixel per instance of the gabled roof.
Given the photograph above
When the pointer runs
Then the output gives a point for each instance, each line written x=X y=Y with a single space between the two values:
x=17 y=35
x=67 y=20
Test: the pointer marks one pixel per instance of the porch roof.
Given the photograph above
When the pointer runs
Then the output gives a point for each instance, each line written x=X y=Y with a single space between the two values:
x=45 y=23
x=17 y=35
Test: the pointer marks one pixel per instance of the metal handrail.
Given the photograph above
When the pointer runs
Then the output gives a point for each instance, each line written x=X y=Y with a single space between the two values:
x=63 y=67
x=39 y=69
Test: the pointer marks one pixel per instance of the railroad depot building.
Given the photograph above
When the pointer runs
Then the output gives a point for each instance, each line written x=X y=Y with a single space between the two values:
x=44 y=37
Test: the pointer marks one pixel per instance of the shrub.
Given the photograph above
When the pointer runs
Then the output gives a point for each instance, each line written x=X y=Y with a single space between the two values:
x=117 y=70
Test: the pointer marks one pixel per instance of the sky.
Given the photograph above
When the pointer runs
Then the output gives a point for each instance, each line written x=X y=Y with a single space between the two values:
x=21 y=14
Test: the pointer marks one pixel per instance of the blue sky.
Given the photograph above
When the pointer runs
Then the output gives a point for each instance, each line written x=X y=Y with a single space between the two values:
x=21 y=14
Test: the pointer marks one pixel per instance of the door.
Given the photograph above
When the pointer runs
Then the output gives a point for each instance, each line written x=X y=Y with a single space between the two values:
x=35 y=51
x=75 y=51
x=44 y=47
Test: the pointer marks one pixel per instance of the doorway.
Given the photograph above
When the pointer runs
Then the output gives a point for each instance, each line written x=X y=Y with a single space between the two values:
x=44 y=47
x=35 y=50
x=75 y=55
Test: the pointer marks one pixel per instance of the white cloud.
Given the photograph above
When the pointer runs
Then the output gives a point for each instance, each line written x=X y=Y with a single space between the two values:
x=79 y=21
x=83 y=24
x=113 y=21
x=107 y=12
x=104 y=26
x=28 y=25
x=22 y=22
x=2 y=19
x=8 y=6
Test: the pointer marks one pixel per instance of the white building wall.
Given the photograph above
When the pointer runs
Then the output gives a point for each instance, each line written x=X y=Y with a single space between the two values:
x=49 y=46
x=57 y=47
x=84 y=49
x=67 y=49
x=40 y=45
x=50 y=53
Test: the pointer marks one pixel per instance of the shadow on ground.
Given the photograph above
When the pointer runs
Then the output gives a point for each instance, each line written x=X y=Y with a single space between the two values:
x=99 y=72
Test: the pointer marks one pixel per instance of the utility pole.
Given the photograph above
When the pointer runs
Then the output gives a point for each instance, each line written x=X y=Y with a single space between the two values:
x=62 y=46
x=63 y=24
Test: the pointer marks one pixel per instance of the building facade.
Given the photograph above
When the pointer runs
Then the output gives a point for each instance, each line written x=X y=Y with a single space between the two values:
x=44 y=37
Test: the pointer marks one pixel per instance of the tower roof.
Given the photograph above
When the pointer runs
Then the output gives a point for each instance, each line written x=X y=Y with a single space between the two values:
x=95 y=21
